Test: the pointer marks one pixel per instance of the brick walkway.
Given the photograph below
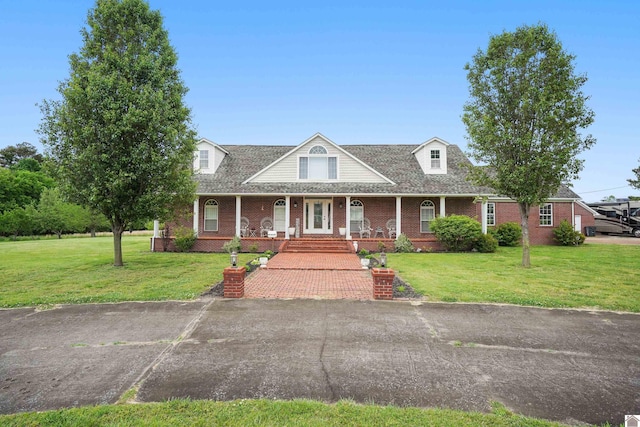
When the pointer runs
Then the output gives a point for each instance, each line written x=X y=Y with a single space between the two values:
x=318 y=276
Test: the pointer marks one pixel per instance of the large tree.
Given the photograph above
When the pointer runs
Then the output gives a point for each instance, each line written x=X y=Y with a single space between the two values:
x=524 y=117
x=122 y=135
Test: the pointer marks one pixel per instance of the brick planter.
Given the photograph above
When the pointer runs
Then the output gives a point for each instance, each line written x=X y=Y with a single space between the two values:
x=234 y=282
x=383 y=283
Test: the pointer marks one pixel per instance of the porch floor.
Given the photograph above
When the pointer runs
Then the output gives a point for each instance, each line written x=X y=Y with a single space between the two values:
x=317 y=276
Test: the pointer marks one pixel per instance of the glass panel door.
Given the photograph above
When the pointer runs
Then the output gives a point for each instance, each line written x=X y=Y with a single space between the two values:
x=318 y=216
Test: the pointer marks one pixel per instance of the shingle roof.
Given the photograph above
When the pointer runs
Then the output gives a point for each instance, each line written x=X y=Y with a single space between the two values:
x=393 y=161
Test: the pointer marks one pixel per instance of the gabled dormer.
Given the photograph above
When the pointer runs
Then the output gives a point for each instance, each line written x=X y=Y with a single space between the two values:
x=318 y=159
x=432 y=156
x=208 y=156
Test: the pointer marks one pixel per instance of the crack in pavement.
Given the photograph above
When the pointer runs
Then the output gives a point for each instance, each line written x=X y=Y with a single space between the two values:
x=166 y=352
x=322 y=365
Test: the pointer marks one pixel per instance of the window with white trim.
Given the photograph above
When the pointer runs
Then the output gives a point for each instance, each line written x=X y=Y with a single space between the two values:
x=356 y=215
x=318 y=165
x=546 y=214
x=211 y=215
x=279 y=215
x=427 y=214
x=435 y=159
x=491 y=214
x=204 y=159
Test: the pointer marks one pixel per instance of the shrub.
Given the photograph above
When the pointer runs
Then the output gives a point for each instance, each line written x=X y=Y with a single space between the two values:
x=508 y=234
x=403 y=244
x=381 y=246
x=232 y=245
x=565 y=235
x=486 y=243
x=457 y=233
x=363 y=252
x=184 y=239
x=253 y=248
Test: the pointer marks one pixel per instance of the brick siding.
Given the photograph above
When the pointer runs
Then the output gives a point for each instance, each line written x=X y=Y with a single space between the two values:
x=539 y=234
x=377 y=209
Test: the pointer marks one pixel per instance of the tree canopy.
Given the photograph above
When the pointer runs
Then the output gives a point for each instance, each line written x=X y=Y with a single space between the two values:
x=635 y=183
x=13 y=154
x=121 y=135
x=524 y=117
x=19 y=188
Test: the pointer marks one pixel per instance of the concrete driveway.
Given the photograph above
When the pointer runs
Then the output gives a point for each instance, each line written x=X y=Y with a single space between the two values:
x=563 y=365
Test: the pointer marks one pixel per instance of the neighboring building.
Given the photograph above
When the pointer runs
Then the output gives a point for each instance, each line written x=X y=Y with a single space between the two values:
x=368 y=193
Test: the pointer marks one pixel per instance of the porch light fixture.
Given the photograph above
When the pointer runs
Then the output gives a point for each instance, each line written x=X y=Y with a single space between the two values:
x=383 y=259
x=340 y=205
x=234 y=259
x=295 y=204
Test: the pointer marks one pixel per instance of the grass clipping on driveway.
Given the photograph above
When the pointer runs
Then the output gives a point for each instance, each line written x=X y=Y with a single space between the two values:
x=79 y=270
x=593 y=276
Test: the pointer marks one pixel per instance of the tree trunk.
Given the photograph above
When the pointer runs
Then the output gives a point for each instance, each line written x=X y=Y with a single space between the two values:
x=526 y=244
x=93 y=232
x=117 y=244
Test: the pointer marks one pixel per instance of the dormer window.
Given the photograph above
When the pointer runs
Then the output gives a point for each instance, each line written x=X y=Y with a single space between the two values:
x=318 y=165
x=204 y=159
x=432 y=156
x=435 y=159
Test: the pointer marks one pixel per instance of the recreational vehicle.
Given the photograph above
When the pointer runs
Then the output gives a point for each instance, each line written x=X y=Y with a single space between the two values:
x=621 y=217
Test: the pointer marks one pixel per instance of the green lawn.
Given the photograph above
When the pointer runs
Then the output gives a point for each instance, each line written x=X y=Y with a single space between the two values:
x=80 y=270
x=267 y=413
x=595 y=276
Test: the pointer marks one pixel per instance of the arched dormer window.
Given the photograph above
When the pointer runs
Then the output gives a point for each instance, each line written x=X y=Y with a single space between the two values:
x=211 y=215
x=318 y=165
x=356 y=215
x=279 y=214
x=318 y=149
x=427 y=214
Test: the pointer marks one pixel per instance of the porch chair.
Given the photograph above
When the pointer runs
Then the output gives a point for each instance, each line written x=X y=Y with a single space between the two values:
x=391 y=227
x=266 y=225
x=365 y=228
x=244 y=226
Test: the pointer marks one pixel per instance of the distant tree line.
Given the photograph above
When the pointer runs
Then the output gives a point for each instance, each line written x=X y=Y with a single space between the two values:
x=31 y=202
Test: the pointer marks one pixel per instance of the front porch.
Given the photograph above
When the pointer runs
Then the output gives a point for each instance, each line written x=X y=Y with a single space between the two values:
x=266 y=222
x=262 y=244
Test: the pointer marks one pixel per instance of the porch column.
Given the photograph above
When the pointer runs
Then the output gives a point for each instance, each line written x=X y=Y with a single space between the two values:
x=442 y=207
x=238 y=214
x=287 y=216
x=398 y=216
x=196 y=212
x=347 y=207
x=484 y=216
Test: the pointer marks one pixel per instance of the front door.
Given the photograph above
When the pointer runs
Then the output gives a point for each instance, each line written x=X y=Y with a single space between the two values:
x=317 y=216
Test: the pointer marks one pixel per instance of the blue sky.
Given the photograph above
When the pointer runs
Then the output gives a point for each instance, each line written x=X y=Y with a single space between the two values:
x=358 y=72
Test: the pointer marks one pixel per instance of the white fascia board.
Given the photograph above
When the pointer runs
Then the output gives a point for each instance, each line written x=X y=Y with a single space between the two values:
x=213 y=144
x=343 y=195
x=429 y=141
x=587 y=207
